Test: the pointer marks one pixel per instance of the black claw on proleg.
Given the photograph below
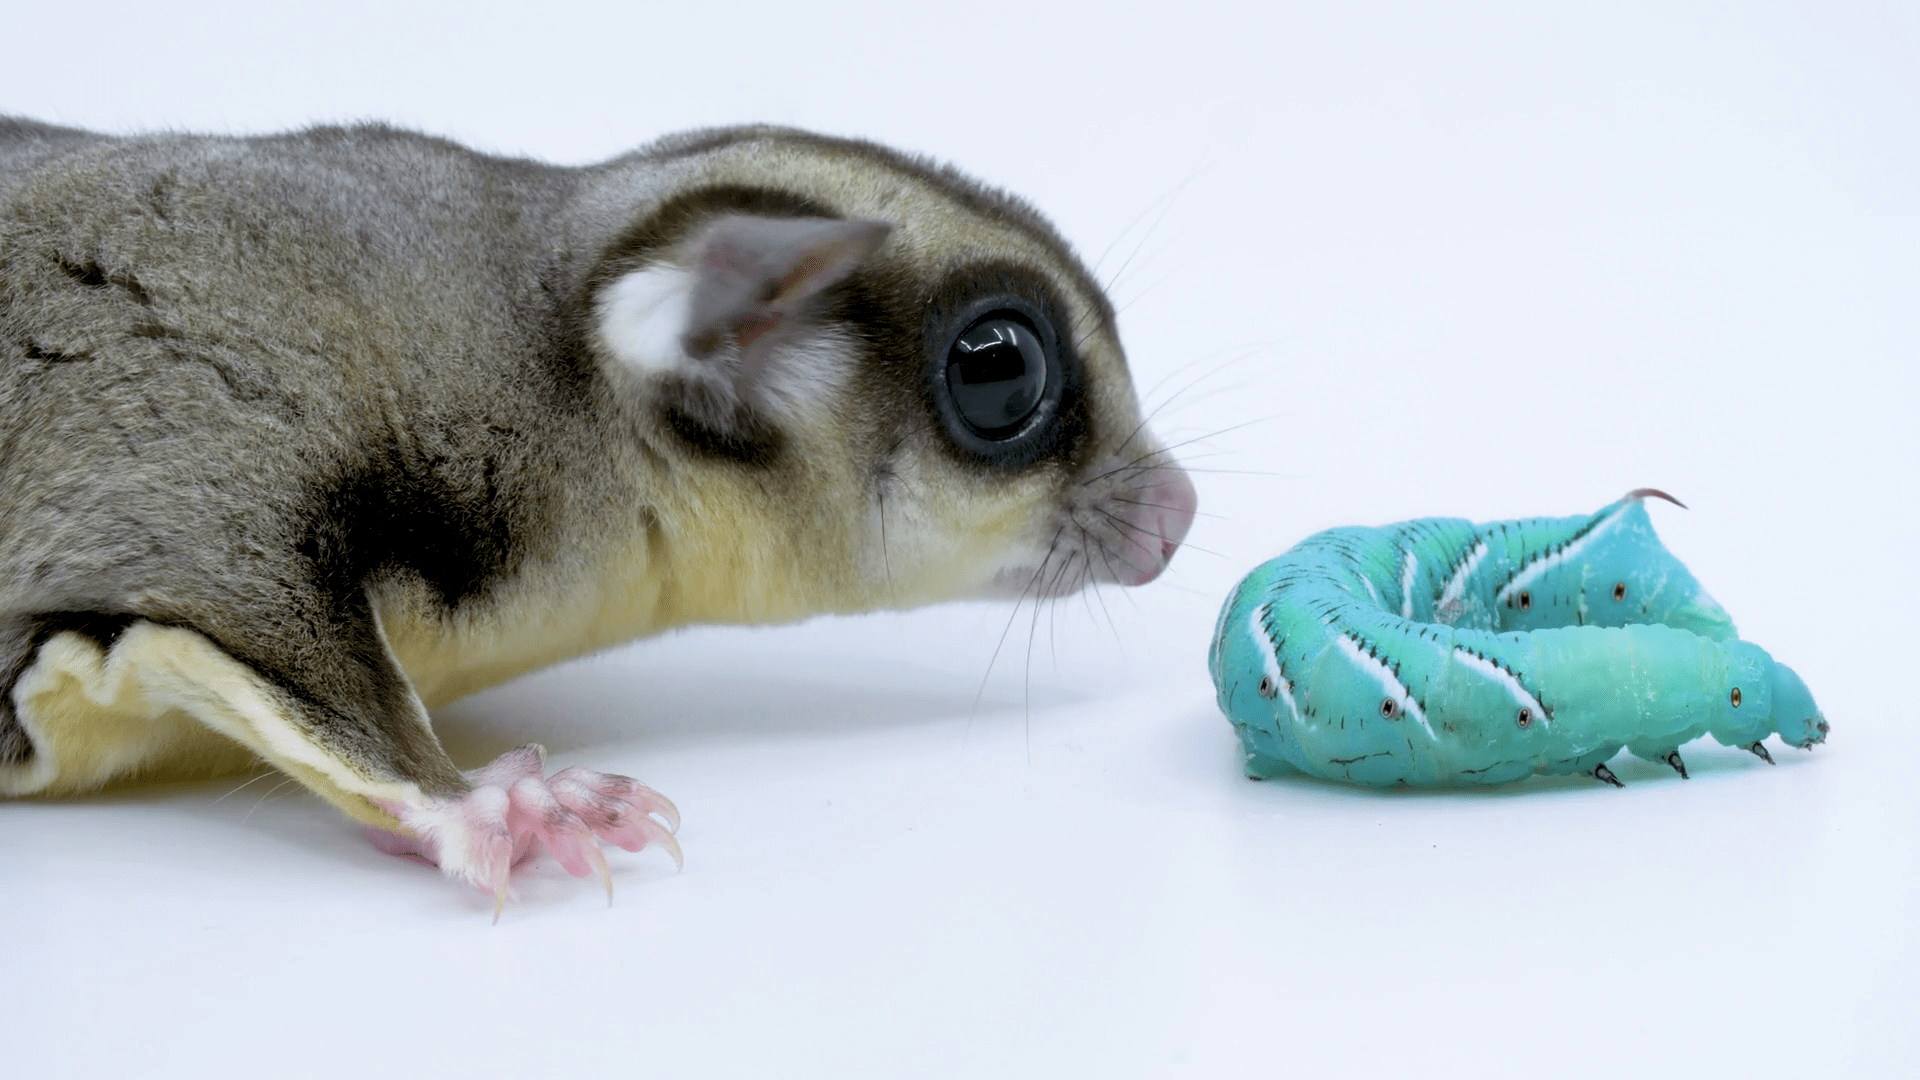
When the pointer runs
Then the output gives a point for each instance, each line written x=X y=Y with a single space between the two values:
x=1761 y=750
x=1679 y=766
x=1605 y=776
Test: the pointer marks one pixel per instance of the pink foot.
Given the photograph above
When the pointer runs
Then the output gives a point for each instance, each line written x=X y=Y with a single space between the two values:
x=514 y=809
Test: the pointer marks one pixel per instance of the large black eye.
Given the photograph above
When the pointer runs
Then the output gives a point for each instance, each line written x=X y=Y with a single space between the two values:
x=997 y=374
x=1000 y=378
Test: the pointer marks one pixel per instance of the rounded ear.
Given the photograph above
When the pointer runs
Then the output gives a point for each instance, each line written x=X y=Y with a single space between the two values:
x=754 y=277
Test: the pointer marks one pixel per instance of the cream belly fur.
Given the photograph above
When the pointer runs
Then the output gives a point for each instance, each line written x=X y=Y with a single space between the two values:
x=165 y=702
x=301 y=435
x=636 y=591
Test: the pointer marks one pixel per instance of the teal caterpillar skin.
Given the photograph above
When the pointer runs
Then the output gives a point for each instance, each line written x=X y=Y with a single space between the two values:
x=1438 y=653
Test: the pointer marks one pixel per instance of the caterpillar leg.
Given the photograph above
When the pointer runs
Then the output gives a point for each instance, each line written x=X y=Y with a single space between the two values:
x=1605 y=776
x=1260 y=766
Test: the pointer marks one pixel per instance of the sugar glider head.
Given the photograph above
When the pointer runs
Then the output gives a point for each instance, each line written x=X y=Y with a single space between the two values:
x=873 y=382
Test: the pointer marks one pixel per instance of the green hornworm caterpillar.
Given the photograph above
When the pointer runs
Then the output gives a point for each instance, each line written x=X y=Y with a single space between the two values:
x=1437 y=652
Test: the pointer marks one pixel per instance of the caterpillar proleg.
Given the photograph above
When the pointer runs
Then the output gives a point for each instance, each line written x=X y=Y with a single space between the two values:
x=1437 y=652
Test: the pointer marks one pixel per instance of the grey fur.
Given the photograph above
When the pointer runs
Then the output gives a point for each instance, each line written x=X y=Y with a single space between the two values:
x=200 y=337
x=246 y=385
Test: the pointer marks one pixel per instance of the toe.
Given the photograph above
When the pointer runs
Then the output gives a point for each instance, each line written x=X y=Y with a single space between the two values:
x=623 y=822
x=587 y=785
x=513 y=811
x=541 y=815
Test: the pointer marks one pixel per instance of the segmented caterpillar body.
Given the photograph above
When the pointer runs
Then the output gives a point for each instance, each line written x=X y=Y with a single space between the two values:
x=1437 y=652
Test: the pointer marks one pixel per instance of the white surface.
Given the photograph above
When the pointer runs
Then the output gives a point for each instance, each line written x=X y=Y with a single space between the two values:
x=1489 y=265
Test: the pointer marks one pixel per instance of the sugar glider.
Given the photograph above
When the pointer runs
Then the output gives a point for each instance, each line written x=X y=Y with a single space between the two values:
x=302 y=435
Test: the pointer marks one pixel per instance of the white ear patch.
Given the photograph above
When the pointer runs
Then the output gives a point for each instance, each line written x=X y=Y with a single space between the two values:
x=644 y=315
x=643 y=323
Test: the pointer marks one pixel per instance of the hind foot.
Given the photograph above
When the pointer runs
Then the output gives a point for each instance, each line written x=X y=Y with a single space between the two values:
x=514 y=810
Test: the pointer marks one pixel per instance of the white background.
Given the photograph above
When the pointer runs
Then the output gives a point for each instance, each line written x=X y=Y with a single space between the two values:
x=1491 y=263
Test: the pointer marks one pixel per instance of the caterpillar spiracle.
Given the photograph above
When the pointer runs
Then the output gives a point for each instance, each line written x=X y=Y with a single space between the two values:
x=1438 y=652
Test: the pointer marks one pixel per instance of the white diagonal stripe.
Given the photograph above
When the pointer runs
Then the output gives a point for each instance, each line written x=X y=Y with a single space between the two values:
x=1449 y=605
x=1532 y=571
x=1271 y=660
x=1505 y=678
x=1396 y=692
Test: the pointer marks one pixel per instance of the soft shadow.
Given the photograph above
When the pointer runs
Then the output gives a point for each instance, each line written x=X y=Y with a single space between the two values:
x=1705 y=760
x=675 y=699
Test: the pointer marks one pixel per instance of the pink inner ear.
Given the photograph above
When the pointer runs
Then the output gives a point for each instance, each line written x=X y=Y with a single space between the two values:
x=753 y=326
x=815 y=270
x=756 y=274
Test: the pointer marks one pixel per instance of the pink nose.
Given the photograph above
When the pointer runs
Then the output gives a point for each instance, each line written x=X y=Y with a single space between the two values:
x=1164 y=509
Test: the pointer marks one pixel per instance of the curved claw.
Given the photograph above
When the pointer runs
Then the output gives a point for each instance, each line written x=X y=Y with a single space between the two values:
x=673 y=849
x=599 y=861
x=1605 y=776
x=1679 y=766
x=1760 y=749
x=655 y=803
x=642 y=831
x=513 y=811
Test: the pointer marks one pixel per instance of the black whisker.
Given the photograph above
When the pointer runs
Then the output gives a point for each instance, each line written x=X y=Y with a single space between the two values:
x=1053 y=623
x=1124 y=523
x=1109 y=554
x=1087 y=544
x=1106 y=556
x=1164 y=506
x=1121 y=448
x=1137 y=218
x=1170 y=447
x=1167 y=452
x=1242 y=355
x=1136 y=297
x=1148 y=235
x=1249 y=472
x=1243 y=352
x=1011 y=615
x=1026 y=683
